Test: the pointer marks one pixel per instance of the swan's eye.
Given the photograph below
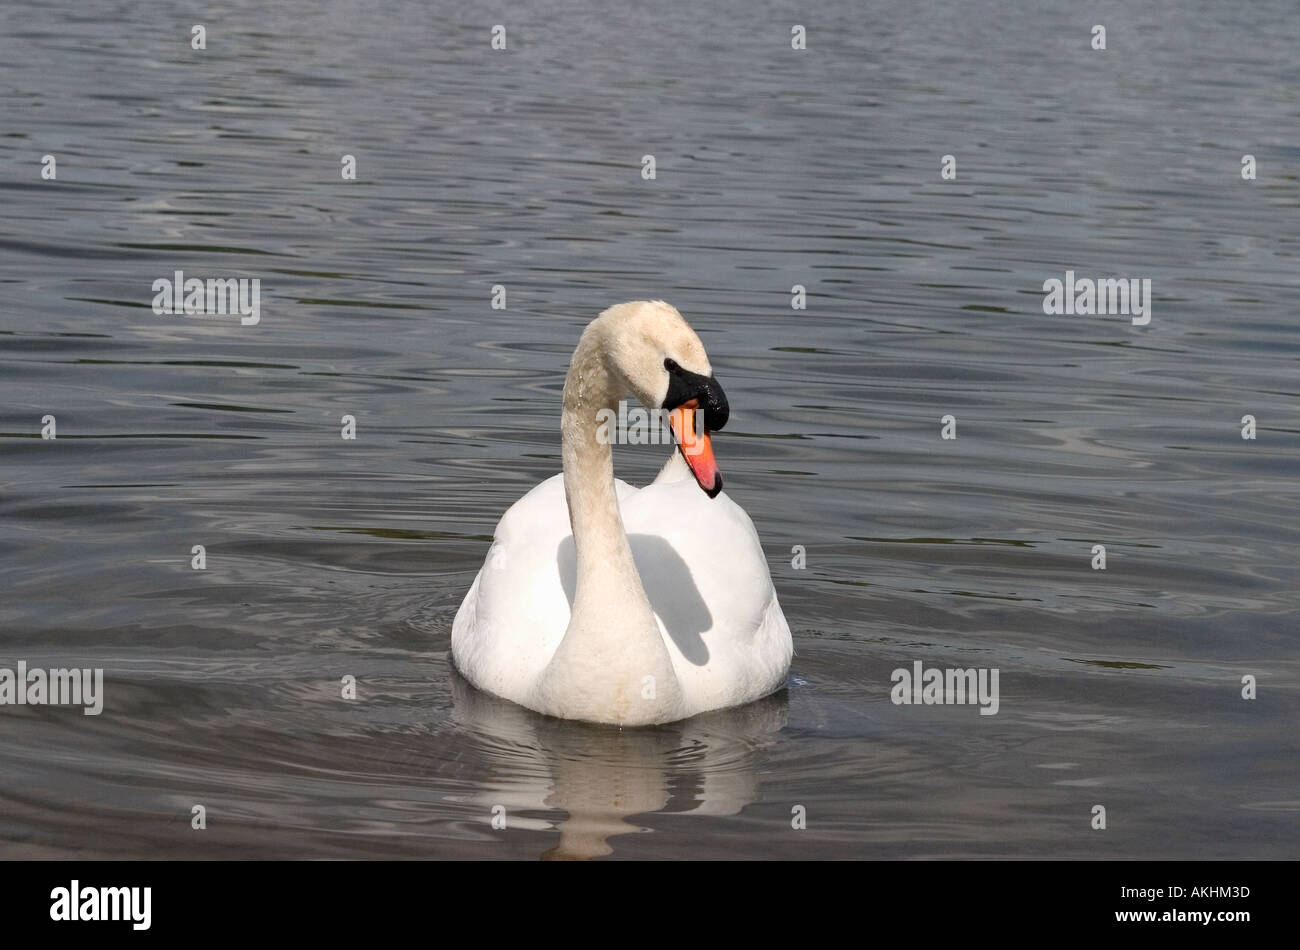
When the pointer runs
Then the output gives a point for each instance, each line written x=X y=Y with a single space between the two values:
x=671 y=365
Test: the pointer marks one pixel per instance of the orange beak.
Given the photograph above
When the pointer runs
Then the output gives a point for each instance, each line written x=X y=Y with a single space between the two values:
x=696 y=447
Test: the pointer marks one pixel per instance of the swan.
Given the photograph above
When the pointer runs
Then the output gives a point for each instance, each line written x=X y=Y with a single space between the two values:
x=601 y=602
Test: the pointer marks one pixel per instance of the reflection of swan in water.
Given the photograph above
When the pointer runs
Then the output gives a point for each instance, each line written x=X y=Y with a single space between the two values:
x=602 y=775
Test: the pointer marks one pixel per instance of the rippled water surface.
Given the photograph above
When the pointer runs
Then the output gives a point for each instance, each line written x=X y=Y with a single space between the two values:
x=328 y=558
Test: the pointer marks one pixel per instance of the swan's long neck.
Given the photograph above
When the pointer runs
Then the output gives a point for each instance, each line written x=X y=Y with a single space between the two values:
x=612 y=647
x=604 y=556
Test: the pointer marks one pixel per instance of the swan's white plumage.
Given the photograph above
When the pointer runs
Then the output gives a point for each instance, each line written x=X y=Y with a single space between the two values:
x=704 y=575
x=517 y=610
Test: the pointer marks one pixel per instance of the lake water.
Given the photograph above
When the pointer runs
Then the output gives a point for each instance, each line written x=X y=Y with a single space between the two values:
x=328 y=558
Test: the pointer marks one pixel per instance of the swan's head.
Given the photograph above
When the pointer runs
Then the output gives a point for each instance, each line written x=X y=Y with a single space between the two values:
x=657 y=355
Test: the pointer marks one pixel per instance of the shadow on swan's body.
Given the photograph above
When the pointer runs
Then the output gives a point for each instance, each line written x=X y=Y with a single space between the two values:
x=605 y=603
x=668 y=584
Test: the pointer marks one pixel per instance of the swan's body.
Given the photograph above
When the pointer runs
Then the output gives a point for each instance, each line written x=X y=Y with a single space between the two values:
x=602 y=602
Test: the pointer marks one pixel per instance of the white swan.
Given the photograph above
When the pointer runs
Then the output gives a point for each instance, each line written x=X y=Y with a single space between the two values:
x=673 y=610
